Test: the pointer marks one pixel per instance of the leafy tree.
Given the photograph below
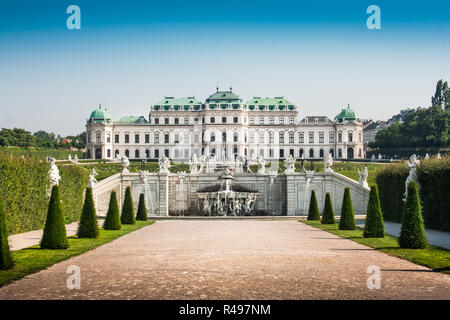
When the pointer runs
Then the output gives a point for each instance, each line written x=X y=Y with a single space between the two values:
x=313 y=212
x=412 y=234
x=142 y=210
x=374 y=226
x=6 y=261
x=88 y=227
x=347 y=221
x=112 y=221
x=128 y=209
x=328 y=212
x=54 y=236
x=442 y=95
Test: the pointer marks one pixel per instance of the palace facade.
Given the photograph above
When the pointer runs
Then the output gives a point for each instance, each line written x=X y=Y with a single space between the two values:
x=226 y=127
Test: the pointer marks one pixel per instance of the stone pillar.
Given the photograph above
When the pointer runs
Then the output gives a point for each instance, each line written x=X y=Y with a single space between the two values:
x=163 y=195
x=290 y=194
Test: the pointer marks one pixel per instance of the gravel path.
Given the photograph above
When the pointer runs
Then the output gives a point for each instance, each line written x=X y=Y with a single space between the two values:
x=247 y=259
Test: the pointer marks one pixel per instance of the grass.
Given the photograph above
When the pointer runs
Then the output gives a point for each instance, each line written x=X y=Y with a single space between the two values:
x=34 y=259
x=433 y=257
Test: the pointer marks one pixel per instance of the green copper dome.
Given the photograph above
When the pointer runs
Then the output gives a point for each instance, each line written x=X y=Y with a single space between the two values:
x=347 y=114
x=100 y=115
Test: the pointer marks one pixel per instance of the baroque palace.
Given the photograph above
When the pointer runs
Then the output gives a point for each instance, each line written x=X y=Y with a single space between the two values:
x=226 y=127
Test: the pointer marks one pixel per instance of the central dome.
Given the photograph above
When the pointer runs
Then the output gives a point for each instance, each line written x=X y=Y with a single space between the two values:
x=100 y=115
x=347 y=114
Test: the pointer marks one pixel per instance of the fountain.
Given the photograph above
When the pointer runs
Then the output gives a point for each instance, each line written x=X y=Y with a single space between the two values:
x=145 y=189
x=227 y=199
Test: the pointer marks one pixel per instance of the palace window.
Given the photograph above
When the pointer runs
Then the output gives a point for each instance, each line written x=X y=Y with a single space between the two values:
x=177 y=138
x=321 y=137
x=252 y=153
x=156 y=120
x=281 y=137
x=186 y=153
x=213 y=137
x=136 y=154
x=212 y=120
x=311 y=137
x=311 y=153
x=261 y=120
x=136 y=138
x=235 y=119
x=224 y=119
x=147 y=138
x=291 y=152
x=166 y=153
x=195 y=120
x=350 y=137
x=166 y=138
x=340 y=137
x=127 y=153
x=186 y=138
x=224 y=137
x=271 y=120
x=108 y=153
x=88 y=137
x=177 y=121
x=261 y=137
x=339 y=153
x=281 y=120
x=291 y=120
x=321 y=153
x=300 y=153
x=147 y=153
x=261 y=152
x=331 y=137
x=270 y=153
x=156 y=153
x=235 y=137
x=108 y=138
x=127 y=138
x=116 y=138
x=251 y=138
x=176 y=153
x=291 y=137
x=281 y=153
x=186 y=120
x=166 y=120
x=196 y=138
x=252 y=120
x=271 y=138
x=301 y=137
x=98 y=136
x=359 y=136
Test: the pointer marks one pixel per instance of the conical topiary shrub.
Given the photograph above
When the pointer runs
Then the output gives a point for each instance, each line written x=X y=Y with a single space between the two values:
x=347 y=221
x=142 y=210
x=412 y=234
x=127 y=216
x=313 y=213
x=328 y=213
x=54 y=236
x=6 y=261
x=88 y=227
x=374 y=226
x=112 y=221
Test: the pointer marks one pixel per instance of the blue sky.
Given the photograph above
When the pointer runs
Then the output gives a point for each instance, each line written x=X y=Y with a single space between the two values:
x=129 y=54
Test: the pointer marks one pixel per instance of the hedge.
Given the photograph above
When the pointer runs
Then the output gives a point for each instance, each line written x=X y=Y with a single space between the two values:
x=313 y=212
x=347 y=221
x=328 y=212
x=88 y=227
x=433 y=178
x=127 y=216
x=374 y=226
x=23 y=187
x=142 y=210
x=112 y=220
x=6 y=260
x=54 y=236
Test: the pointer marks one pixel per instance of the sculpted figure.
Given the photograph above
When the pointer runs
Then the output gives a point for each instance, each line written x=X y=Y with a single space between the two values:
x=125 y=163
x=363 y=177
x=328 y=163
x=164 y=164
x=261 y=165
x=289 y=164
x=206 y=207
x=438 y=156
x=92 y=180
x=412 y=164
x=53 y=173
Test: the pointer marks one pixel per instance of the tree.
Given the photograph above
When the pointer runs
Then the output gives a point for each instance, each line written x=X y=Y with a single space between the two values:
x=412 y=234
x=374 y=226
x=142 y=210
x=6 y=261
x=442 y=95
x=112 y=221
x=54 y=236
x=347 y=221
x=128 y=209
x=313 y=212
x=328 y=213
x=88 y=227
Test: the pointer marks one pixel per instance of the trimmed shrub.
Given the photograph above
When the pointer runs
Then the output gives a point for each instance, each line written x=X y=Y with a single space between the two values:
x=6 y=261
x=328 y=213
x=142 y=210
x=374 y=226
x=54 y=236
x=127 y=216
x=112 y=221
x=23 y=187
x=313 y=213
x=412 y=234
x=88 y=227
x=347 y=221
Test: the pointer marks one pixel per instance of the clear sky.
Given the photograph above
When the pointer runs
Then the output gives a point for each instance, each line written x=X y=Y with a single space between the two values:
x=129 y=54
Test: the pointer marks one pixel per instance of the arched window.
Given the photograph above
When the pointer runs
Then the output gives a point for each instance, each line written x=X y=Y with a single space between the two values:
x=213 y=137
x=235 y=119
x=212 y=120
x=213 y=151
x=311 y=153
x=116 y=153
x=136 y=154
x=321 y=153
x=235 y=137
x=300 y=153
x=224 y=137
x=332 y=152
x=127 y=153
x=147 y=153
x=224 y=119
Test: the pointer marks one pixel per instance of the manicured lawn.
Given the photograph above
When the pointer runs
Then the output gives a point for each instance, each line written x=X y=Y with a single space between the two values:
x=34 y=259
x=433 y=257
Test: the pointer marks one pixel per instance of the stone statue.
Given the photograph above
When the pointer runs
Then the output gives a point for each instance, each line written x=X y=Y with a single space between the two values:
x=438 y=156
x=75 y=159
x=380 y=157
x=427 y=157
x=164 y=164
x=70 y=157
x=125 y=163
x=373 y=158
x=363 y=177
x=412 y=164
x=249 y=204
x=289 y=164
x=53 y=173
x=92 y=180
x=261 y=165
x=328 y=163
x=206 y=207
x=237 y=207
x=193 y=164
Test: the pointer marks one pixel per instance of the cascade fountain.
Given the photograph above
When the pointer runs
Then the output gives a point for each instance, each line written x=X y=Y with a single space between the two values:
x=227 y=199
x=145 y=189
x=309 y=177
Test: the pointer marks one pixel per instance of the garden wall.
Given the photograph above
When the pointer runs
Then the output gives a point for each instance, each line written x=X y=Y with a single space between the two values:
x=23 y=187
x=434 y=181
